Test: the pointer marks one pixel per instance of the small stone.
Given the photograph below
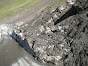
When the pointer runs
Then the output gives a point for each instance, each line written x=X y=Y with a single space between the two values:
x=61 y=8
x=58 y=58
x=53 y=28
x=62 y=31
x=61 y=45
x=21 y=34
x=48 y=30
x=38 y=34
x=59 y=27
x=41 y=28
x=67 y=50
x=52 y=10
x=66 y=27
x=50 y=20
x=26 y=24
x=71 y=1
x=55 y=16
x=50 y=59
x=20 y=23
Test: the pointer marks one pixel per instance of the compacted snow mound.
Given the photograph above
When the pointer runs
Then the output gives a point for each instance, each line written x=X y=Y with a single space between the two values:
x=57 y=37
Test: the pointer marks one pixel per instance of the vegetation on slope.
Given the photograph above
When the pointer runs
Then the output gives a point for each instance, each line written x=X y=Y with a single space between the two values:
x=10 y=7
x=51 y=5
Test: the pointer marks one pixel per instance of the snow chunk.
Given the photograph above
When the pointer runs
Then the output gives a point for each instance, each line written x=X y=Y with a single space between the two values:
x=19 y=23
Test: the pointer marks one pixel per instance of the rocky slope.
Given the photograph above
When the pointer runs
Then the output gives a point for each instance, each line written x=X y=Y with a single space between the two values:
x=58 y=37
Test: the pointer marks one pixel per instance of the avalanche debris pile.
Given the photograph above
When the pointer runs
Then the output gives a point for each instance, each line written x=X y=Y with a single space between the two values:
x=61 y=44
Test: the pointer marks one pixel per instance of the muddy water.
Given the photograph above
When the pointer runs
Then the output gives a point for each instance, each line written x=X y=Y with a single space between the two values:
x=11 y=54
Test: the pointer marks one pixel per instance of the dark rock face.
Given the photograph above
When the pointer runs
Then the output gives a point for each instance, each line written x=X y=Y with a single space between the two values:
x=63 y=44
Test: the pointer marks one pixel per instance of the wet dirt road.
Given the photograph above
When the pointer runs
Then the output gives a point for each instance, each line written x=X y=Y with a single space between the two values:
x=11 y=54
